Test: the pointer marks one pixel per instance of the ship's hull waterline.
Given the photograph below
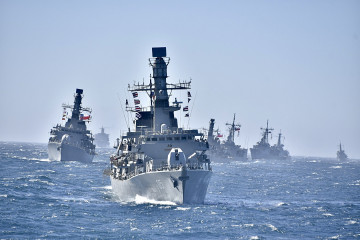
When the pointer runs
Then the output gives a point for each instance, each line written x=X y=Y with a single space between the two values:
x=165 y=186
x=66 y=152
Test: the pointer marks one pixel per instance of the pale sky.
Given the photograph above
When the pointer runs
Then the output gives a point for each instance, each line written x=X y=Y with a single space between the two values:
x=296 y=63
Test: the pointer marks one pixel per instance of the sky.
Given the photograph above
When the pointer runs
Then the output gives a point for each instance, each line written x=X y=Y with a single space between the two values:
x=294 y=63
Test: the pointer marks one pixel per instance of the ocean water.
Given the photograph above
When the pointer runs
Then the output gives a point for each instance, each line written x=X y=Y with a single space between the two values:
x=304 y=198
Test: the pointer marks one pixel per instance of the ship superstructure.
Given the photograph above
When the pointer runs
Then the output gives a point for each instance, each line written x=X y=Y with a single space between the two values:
x=101 y=139
x=227 y=149
x=159 y=160
x=72 y=142
x=341 y=155
x=263 y=150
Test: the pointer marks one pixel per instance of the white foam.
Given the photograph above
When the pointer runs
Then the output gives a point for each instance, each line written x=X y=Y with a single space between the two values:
x=335 y=167
x=272 y=227
x=182 y=208
x=142 y=200
x=351 y=222
x=327 y=214
x=4 y=195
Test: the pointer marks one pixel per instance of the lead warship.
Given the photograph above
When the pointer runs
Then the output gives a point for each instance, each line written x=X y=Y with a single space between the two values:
x=159 y=160
x=263 y=150
x=101 y=139
x=228 y=149
x=72 y=142
x=341 y=155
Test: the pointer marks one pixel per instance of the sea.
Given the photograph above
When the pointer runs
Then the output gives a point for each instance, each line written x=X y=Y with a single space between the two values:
x=302 y=198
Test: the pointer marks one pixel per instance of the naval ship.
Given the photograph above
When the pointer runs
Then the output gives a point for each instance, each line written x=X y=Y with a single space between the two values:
x=158 y=159
x=72 y=142
x=227 y=149
x=341 y=155
x=101 y=139
x=263 y=150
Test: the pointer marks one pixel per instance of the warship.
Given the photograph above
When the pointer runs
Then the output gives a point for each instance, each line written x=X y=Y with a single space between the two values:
x=263 y=150
x=227 y=149
x=341 y=155
x=72 y=142
x=159 y=160
x=101 y=139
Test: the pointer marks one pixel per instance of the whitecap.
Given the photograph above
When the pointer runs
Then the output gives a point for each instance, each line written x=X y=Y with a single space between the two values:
x=335 y=167
x=327 y=214
x=248 y=225
x=351 y=222
x=272 y=227
x=4 y=195
x=254 y=238
x=182 y=208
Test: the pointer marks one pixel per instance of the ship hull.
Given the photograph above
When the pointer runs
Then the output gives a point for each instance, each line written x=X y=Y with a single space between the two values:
x=267 y=154
x=66 y=152
x=165 y=186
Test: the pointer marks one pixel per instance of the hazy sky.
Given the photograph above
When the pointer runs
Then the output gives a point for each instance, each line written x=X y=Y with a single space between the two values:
x=296 y=63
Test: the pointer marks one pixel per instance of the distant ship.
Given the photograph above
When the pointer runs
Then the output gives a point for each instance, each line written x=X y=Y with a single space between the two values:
x=263 y=150
x=101 y=139
x=228 y=149
x=159 y=160
x=341 y=155
x=72 y=142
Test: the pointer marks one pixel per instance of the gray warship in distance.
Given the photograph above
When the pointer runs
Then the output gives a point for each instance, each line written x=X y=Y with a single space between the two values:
x=341 y=155
x=101 y=139
x=72 y=142
x=263 y=150
x=159 y=160
x=228 y=149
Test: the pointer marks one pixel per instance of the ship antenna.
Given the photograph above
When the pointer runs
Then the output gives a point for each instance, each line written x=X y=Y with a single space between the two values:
x=122 y=109
x=192 y=108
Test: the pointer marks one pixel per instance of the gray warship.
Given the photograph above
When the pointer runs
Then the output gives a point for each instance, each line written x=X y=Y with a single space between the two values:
x=159 y=160
x=341 y=155
x=263 y=150
x=101 y=139
x=72 y=142
x=227 y=149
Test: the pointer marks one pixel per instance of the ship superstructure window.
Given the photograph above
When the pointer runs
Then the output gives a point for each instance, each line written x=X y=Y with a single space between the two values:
x=148 y=139
x=183 y=138
x=169 y=138
x=161 y=139
x=154 y=139
x=190 y=137
x=177 y=138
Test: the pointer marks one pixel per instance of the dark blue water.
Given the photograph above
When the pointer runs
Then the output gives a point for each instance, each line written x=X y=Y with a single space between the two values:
x=305 y=198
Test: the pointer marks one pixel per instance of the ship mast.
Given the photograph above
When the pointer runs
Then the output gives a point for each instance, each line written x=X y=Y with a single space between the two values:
x=233 y=127
x=279 y=139
x=211 y=128
x=162 y=112
x=267 y=130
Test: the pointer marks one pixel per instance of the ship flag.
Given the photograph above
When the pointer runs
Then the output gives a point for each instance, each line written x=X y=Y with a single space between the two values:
x=185 y=109
x=136 y=101
x=135 y=94
x=137 y=109
x=189 y=94
x=187 y=115
x=189 y=100
x=138 y=115
x=84 y=117
x=237 y=129
x=127 y=102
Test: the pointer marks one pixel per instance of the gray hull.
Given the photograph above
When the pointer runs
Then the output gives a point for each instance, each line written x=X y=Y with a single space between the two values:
x=66 y=152
x=164 y=186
